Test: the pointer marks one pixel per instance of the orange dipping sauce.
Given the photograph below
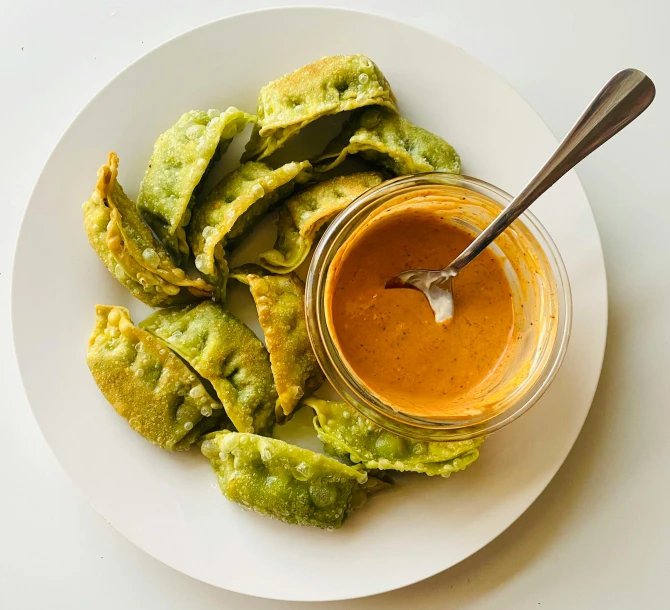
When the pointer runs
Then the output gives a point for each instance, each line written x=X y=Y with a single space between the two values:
x=389 y=337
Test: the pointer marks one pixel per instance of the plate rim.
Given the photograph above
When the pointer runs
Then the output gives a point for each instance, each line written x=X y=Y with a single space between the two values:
x=14 y=305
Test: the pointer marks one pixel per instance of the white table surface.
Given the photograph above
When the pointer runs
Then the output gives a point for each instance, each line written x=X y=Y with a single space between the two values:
x=599 y=536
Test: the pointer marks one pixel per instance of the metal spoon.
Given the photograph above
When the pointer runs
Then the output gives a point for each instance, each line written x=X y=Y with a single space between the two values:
x=625 y=96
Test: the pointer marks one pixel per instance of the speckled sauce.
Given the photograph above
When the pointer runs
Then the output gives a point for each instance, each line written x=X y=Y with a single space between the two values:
x=390 y=338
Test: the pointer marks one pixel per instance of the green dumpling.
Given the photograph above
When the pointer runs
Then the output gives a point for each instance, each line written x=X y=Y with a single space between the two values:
x=327 y=86
x=392 y=142
x=286 y=482
x=128 y=248
x=226 y=353
x=303 y=215
x=181 y=157
x=231 y=211
x=347 y=434
x=162 y=399
x=280 y=301
x=96 y=220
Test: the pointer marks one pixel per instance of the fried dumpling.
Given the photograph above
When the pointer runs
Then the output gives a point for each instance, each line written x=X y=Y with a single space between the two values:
x=347 y=434
x=129 y=249
x=162 y=399
x=280 y=301
x=386 y=139
x=327 y=86
x=96 y=220
x=232 y=209
x=181 y=157
x=225 y=352
x=303 y=214
x=286 y=482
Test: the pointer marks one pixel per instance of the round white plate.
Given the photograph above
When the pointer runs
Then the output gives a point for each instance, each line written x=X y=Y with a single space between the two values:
x=169 y=505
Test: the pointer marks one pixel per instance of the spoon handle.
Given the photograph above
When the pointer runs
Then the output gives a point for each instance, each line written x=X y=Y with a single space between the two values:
x=626 y=95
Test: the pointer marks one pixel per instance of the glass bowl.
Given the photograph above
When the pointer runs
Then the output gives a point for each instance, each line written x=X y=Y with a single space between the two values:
x=542 y=304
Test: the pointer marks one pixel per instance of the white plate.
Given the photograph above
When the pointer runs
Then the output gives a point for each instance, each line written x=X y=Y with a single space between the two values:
x=169 y=505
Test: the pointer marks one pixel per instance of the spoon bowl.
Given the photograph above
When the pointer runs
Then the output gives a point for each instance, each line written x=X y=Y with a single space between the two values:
x=435 y=285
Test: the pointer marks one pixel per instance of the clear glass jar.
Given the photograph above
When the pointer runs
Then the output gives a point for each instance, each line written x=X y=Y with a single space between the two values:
x=542 y=304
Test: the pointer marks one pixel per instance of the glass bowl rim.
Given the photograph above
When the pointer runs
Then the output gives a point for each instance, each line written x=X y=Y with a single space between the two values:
x=400 y=423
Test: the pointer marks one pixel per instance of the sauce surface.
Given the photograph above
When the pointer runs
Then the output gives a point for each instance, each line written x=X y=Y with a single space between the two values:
x=390 y=338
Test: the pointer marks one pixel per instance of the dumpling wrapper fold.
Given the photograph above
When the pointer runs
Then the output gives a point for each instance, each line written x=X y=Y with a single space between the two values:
x=303 y=214
x=328 y=86
x=286 y=482
x=388 y=140
x=129 y=249
x=181 y=157
x=147 y=384
x=225 y=352
x=231 y=211
x=280 y=302
x=347 y=434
